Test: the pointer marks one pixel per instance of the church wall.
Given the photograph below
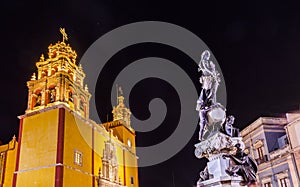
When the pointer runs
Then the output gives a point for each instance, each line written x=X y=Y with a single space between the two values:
x=77 y=137
x=38 y=150
x=131 y=170
x=98 y=150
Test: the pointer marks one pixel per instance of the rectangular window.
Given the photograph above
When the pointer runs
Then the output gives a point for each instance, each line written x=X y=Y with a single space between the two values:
x=284 y=182
x=260 y=153
x=131 y=180
x=78 y=157
x=268 y=184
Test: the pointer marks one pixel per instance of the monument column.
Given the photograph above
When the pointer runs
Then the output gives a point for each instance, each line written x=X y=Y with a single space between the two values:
x=220 y=141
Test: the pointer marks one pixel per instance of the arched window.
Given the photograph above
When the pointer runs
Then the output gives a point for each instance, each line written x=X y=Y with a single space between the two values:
x=52 y=95
x=81 y=104
x=37 y=99
x=70 y=95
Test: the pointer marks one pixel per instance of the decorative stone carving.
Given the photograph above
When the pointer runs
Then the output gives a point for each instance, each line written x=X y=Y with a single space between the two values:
x=108 y=176
x=216 y=144
x=204 y=175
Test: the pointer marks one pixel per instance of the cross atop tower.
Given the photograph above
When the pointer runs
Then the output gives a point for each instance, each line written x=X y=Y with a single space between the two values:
x=64 y=34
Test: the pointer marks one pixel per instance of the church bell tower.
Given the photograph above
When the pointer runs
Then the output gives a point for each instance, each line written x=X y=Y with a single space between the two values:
x=59 y=81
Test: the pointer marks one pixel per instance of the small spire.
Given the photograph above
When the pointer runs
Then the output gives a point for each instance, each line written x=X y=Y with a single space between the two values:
x=64 y=34
x=86 y=88
x=80 y=67
x=14 y=137
x=33 y=77
x=42 y=58
x=120 y=91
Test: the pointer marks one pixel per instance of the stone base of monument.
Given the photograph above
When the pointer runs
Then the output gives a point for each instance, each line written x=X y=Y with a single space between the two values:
x=224 y=181
x=214 y=148
x=217 y=175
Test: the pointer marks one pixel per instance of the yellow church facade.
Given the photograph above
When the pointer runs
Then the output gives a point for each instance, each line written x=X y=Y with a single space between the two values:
x=58 y=145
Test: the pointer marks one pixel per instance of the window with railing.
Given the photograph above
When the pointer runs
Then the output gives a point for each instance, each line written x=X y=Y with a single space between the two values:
x=267 y=184
x=261 y=157
x=260 y=153
x=284 y=182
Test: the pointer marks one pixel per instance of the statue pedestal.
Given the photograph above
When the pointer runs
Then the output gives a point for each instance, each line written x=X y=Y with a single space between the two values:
x=225 y=181
x=213 y=148
x=218 y=176
x=217 y=167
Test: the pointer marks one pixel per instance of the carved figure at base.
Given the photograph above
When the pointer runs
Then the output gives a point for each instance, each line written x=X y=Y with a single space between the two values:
x=204 y=175
x=244 y=166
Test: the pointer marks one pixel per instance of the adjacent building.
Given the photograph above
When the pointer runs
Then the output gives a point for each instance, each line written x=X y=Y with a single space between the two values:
x=58 y=145
x=273 y=143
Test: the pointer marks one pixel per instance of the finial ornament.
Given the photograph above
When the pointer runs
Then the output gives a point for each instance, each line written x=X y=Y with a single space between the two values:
x=42 y=58
x=33 y=77
x=64 y=34
x=80 y=67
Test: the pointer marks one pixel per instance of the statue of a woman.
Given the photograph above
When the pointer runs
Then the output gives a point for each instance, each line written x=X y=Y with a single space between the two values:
x=207 y=99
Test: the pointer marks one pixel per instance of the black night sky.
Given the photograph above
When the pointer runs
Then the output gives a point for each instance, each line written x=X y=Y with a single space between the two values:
x=256 y=43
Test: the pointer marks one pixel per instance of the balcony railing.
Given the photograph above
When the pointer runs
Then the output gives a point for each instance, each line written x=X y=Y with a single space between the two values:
x=279 y=152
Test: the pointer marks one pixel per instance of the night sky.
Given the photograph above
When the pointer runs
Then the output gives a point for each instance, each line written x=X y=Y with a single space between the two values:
x=256 y=43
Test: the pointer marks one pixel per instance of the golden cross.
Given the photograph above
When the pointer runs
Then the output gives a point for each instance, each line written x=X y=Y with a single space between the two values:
x=64 y=34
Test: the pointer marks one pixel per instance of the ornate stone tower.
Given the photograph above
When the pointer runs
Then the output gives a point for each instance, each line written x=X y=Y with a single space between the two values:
x=121 y=112
x=120 y=125
x=59 y=81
